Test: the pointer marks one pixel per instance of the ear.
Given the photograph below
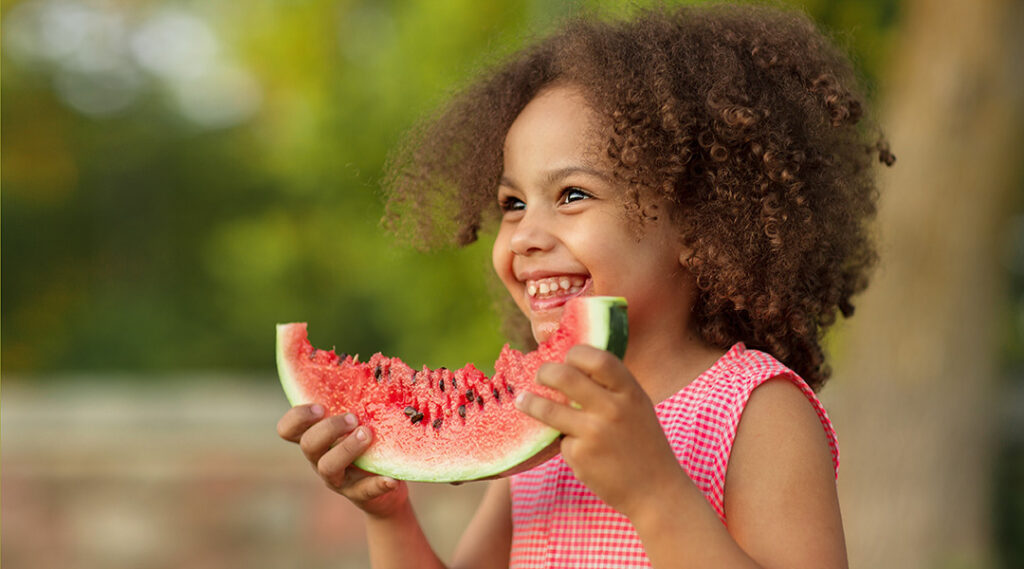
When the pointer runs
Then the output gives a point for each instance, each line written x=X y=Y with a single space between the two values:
x=685 y=254
x=684 y=259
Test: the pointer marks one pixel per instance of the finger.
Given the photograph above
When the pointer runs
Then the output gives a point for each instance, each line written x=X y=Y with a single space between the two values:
x=333 y=463
x=299 y=418
x=602 y=366
x=561 y=417
x=371 y=487
x=575 y=384
x=319 y=438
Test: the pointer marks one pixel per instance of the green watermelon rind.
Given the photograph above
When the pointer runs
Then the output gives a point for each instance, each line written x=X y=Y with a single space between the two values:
x=413 y=472
x=285 y=374
x=607 y=329
x=609 y=326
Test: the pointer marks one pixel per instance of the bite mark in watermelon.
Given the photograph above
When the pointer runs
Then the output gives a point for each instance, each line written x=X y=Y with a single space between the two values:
x=441 y=425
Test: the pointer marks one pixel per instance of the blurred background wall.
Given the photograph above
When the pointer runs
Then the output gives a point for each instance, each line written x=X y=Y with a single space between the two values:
x=178 y=176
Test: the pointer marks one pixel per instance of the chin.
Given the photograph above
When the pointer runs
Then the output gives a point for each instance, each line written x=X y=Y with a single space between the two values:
x=543 y=329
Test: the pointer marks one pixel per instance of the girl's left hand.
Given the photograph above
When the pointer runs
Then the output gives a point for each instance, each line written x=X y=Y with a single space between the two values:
x=613 y=440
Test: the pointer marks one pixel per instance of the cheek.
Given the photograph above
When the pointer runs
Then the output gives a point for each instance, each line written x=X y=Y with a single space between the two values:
x=496 y=252
x=501 y=260
x=501 y=257
x=603 y=258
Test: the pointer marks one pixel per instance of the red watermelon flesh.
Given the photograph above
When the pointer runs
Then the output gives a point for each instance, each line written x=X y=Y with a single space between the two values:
x=441 y=425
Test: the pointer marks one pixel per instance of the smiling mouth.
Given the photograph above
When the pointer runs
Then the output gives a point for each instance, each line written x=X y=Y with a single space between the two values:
x=555 y=286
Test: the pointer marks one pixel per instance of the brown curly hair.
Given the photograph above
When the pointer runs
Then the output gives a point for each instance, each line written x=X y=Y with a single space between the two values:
x=746 y=118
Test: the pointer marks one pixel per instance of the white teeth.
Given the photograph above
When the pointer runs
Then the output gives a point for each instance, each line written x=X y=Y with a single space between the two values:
x=552 y=285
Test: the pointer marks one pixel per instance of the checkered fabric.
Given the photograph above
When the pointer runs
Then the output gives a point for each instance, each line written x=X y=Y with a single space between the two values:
x=559 y=523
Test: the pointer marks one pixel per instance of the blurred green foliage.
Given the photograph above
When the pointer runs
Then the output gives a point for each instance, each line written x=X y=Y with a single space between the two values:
x=179 y=176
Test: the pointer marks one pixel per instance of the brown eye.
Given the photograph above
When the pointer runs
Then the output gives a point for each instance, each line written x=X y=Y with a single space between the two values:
x=509 y=203
x=572 y=194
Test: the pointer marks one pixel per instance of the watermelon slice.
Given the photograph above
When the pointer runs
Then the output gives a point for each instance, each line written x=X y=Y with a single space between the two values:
x=440 y=425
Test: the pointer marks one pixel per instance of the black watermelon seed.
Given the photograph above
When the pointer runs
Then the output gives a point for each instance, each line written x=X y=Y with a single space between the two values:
x=469 y=394
x=480 y=400
x=410 y=411
x=437 y=423
x=508 y=387
x=440 y=384
x=442 y=368
x=454 y=385
x=497 y=396
x=376 y=374
x=413 y=380
x=462 y=411
x=416 y=418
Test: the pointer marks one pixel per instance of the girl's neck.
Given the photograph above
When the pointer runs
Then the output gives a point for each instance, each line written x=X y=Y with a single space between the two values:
x=665 y=363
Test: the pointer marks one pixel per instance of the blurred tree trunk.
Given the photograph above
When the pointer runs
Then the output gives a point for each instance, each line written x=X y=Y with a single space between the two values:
x=914 y=393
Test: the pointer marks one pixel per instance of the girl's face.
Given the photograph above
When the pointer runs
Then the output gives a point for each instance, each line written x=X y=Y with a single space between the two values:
x=565 y=231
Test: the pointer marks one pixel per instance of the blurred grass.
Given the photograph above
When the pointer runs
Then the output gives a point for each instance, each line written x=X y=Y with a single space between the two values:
x=179 y=176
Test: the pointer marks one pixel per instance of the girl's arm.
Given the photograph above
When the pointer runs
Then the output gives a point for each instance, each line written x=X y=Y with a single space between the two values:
x=398 y=540
x=781 y=482
x=485 y=543
x=780 y=494
x=330 y=445
x=394 y=535
x=487 y=540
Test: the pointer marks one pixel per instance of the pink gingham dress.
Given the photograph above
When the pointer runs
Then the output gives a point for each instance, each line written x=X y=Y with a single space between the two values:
x=558 y=523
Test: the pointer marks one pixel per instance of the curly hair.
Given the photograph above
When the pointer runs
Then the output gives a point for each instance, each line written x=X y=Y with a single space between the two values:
x=747 y=119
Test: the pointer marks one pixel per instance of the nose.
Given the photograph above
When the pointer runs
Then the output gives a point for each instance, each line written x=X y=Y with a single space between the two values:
x=532 y=234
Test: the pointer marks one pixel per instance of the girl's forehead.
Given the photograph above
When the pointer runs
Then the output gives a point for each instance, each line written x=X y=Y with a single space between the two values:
x=561 y=111
x=559 y=100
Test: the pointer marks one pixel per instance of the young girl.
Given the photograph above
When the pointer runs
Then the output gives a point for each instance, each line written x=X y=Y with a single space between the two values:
x=710 y=165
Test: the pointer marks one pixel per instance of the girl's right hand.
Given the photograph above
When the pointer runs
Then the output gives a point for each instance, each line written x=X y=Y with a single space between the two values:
x=331 y=444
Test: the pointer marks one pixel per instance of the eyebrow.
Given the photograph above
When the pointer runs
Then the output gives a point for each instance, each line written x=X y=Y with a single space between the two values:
x=560 y=174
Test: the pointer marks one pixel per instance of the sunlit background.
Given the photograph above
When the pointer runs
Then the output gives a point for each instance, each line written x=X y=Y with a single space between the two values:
x=179 y=176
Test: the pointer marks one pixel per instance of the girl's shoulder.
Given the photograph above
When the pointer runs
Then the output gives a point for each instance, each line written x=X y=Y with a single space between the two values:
x=736 y=375
x=701 y=420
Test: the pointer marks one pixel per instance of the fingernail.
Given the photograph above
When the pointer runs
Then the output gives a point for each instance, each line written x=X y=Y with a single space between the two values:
x=361 y=434
x=520 y=398
x=389 y=483
x=351 y=420
x=317 y=410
